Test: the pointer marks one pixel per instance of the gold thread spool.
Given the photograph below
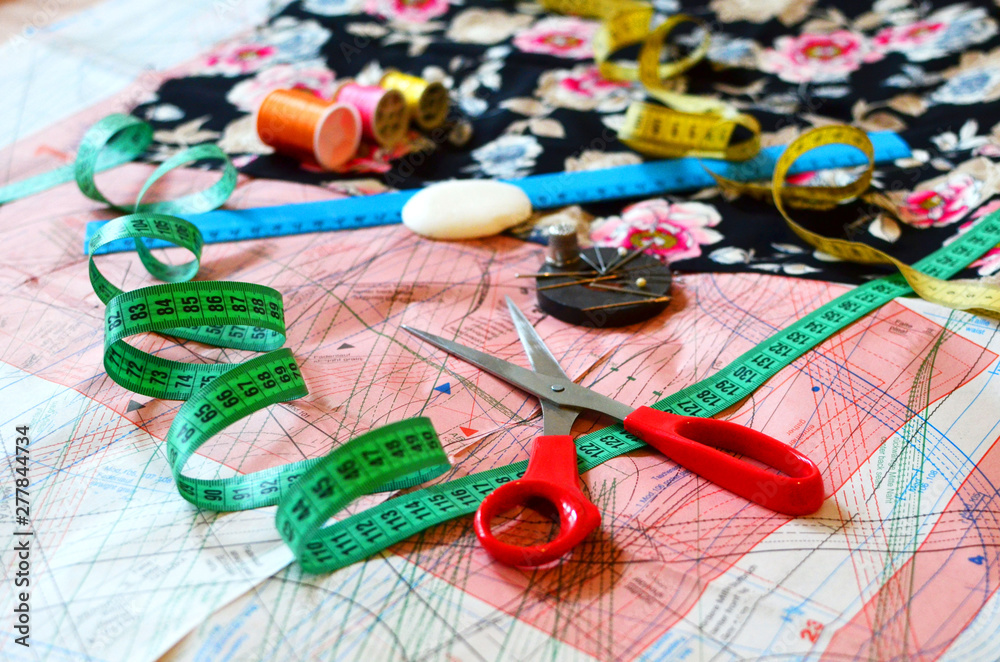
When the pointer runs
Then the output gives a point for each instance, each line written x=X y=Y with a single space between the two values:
x=299 y=124
x=428 y=102
x=384 y=114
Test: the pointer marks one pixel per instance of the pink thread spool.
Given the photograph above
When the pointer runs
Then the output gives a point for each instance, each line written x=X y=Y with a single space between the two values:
x=299 y=124
x=384 y=115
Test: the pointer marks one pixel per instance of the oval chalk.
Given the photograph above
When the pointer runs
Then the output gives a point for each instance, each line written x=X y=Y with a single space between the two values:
x=466 y=209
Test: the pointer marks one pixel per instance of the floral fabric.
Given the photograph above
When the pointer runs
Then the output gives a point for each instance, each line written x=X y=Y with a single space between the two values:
x=526 y=80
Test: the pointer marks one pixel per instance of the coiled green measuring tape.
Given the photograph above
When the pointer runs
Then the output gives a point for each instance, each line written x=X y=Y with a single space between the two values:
x=400 y=455
x=237 y=316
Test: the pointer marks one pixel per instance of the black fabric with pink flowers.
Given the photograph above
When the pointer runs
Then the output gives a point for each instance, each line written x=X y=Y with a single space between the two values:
x=526 y=81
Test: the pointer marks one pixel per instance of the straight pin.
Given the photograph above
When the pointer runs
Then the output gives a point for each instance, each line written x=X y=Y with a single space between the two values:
x=629 y=303
x=625 y=260
x=625 y=289
x=613 y=264
x=577 y=282
x=592 y=265
x=553 y=274
x=642 y=281
x=626 y=257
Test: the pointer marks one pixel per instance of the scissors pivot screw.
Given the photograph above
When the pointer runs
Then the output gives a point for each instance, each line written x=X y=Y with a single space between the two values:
x=698 y=444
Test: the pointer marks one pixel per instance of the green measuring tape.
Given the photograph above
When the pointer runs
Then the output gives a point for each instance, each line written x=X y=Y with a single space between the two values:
x=113 y=141
x=116 y=140
x=397 y=456
x=224 y=314
x=366 y=533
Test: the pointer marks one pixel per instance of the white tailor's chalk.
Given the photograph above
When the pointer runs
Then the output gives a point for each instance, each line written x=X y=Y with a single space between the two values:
x=466 y=209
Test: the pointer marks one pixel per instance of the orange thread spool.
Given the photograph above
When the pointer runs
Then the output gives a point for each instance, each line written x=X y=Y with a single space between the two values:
x=299 y=124
x=384 y=115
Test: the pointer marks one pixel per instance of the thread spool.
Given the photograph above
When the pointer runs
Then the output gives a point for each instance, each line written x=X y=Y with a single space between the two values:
x=299 y=124
x=427 y=102
x=384 y=116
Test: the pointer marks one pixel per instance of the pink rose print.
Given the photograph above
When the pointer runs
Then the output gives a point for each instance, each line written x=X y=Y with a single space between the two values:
x=564 y=36
x=951 y=29
x=818 y=57
x=944 y=204
x=238 y=59
x=590 y=83
x=901 y=38
x=989 y=263
x=372 y=158
x=583 y=88
x=669 y=230
x=414 y=11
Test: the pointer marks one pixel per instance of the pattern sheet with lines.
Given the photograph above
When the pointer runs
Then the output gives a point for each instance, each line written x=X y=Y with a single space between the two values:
x=894 y=410
x=899 y=411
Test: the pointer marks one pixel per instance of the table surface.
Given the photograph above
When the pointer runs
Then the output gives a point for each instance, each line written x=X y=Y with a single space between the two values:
x=62 y=64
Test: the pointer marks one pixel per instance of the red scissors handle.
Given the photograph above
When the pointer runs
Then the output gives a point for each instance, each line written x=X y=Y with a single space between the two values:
x=551 y=476
x=693 y=443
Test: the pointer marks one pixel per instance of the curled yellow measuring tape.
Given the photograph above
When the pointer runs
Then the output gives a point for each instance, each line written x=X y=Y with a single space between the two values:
x=686 y=125
x=963 y=294
x=700 y=126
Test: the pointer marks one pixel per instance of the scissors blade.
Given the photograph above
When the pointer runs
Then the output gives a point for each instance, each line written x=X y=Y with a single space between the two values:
x=559 y=390
x=556 y=420
x=525 y=379
x=538 y=353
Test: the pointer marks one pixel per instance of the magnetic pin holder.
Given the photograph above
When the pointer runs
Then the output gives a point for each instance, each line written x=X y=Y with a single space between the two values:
x=602 y=287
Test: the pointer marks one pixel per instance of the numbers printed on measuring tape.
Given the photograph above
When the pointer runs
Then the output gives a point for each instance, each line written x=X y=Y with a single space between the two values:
x=687 y=407
x=420 y=510
x=302 y=489
x=684 y=124
x=592 y=450
x=233 y=315
x=927 y=278
x=377 y=461
x=403 y=454
x=360 y=535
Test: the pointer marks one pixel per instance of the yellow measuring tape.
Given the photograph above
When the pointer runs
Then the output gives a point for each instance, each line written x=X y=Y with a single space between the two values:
x=686 y=125
x=963 y=294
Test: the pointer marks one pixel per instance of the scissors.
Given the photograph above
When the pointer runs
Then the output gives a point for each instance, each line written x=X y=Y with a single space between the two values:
x=552 y=473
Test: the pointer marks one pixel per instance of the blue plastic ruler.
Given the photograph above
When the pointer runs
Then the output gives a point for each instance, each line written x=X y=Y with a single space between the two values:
x=544 y=191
